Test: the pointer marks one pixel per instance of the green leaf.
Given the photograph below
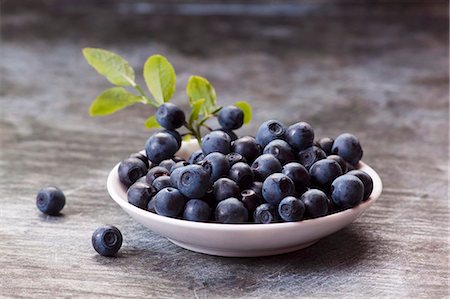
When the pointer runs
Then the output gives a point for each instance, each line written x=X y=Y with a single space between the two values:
x=112 y=100
x=196 y=107
x=245 y=106
x=187 y=137
x=116 y=69
x=152 y=123
x=160 y=78
x=199 y=88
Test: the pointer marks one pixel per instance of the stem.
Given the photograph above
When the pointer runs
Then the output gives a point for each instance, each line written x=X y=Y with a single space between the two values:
x=146 y=100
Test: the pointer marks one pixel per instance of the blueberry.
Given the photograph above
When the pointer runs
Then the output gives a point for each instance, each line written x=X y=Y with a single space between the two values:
x=366 y=180
x=141 y=157
x=230 y=133
x=216 y=141
x=298 y=174
x=234 y=158
x=231 y=117
x=156 y=172
x=291 y=209
x=264 y=166
x=325 y=144
x=50 y=200
x=193 y=181
x=178 y=165
x=130 y=170
x=197 y=210
x=341 y=162
x=242 y=174
x=175 y=176
x=167 y=164
x=257 y=187
x=276 y=187
x=300 y=136
x=196 y=157
x=107 y=240
x=265 y=213
x=161 y=182
x=310 y=156
x=316 y=203
x=177 y=137
x=161 y=146
x=247 y=147
x=324 y=171
x=225 y=188
x=268 y=131
x=251 y=200
x=139 y=194
x=231 y=210
x=209 y=198
x=347 y=191
x=348 y=147
x=169 y=202
x=170 y=116
x=281 y=150
x=151 y=205
x=219 y=165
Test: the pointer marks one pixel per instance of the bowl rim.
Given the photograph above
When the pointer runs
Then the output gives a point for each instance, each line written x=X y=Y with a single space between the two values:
x=114 y=185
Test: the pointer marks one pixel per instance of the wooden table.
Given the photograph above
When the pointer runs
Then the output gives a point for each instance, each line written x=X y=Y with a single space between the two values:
x=379 y=72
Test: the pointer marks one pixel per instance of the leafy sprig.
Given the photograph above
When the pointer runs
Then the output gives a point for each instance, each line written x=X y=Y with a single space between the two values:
x=160 y=78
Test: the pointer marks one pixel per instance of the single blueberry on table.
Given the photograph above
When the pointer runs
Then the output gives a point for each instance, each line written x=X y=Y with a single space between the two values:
x=196 y=157
x=219 y=165
x=347 y=191
x=169 y=202
x=251 y=199
x=178 y=165
x=265 y=213
x=291 y=209
x=264 y=166
x=197 y=210
x=247 y=147
x=298 y=174
x=107 y=240
x=316 y=203
x=50 y=200
x=193 y=181
x=230 y=133
x=242 y=174
x=276 y=187
x=155 y=173
x=141 y=157
x=161 y=182
x=324 y=171
x=167 y=164
x=268 y=131
x=281 y=150
x=311 y=155
x=170 y=116
x=225 y=188
x=161 y=146
x=299 y=136
x=231 y=210
x=326 y=144
x=366 y=180
x=234 y=158
x=231 y=117
x=216 y=141
x=139 y=194
x=130 y=170
x=348 y=147
x=341 y=162
x=177 y=137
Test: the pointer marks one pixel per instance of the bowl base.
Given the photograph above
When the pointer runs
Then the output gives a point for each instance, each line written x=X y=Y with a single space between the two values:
x=240 y=253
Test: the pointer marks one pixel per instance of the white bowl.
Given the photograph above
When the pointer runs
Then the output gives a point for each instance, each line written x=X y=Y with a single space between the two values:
x=241 y=240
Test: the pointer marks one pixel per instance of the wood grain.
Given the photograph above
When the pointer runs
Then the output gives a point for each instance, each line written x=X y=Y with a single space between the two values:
x=382 y=76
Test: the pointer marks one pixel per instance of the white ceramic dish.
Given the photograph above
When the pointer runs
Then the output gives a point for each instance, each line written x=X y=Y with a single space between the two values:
x=241 y=240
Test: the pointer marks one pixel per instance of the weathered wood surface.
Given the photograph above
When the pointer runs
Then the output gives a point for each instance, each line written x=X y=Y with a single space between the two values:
x=382 y=75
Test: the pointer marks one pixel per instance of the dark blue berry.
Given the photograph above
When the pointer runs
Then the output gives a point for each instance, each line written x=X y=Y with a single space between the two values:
x=234 y=158
x=107 y=240
x=347 y=191
x=170 y=116
x=300 y=136
x=197 y=210
x=230 y=133
x=276 y=187
x=156 y=172
x=264 y=166
x=326 y=144
x=348 y=147
x=177 y=137
x=167 y=164
x=225 y=188
x=161 y=146
x=265 y=213
x=247 y=147
x=161 y=182
x=316 y=203
x=193 y=181
x=242 y=174
x=324 y=171
x=281 y=150
x=231 y=117
x=310 y=156
x=196 y=157
x=251 y=200
x=169 y=202
x=366 y=180
x=231 y=210
x=139 y=194
x=151 y=205
x=50 y=200
x=298 y=174
x=141 y=157
x=219 y=165
x=216 y=141
x=257 y=187
x=268 y=131
x=291 y=209
x=178 y=165
x=340 y=161
x=130 y=170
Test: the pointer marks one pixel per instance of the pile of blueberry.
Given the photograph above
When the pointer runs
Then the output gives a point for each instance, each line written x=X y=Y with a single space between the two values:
x=282 y=174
